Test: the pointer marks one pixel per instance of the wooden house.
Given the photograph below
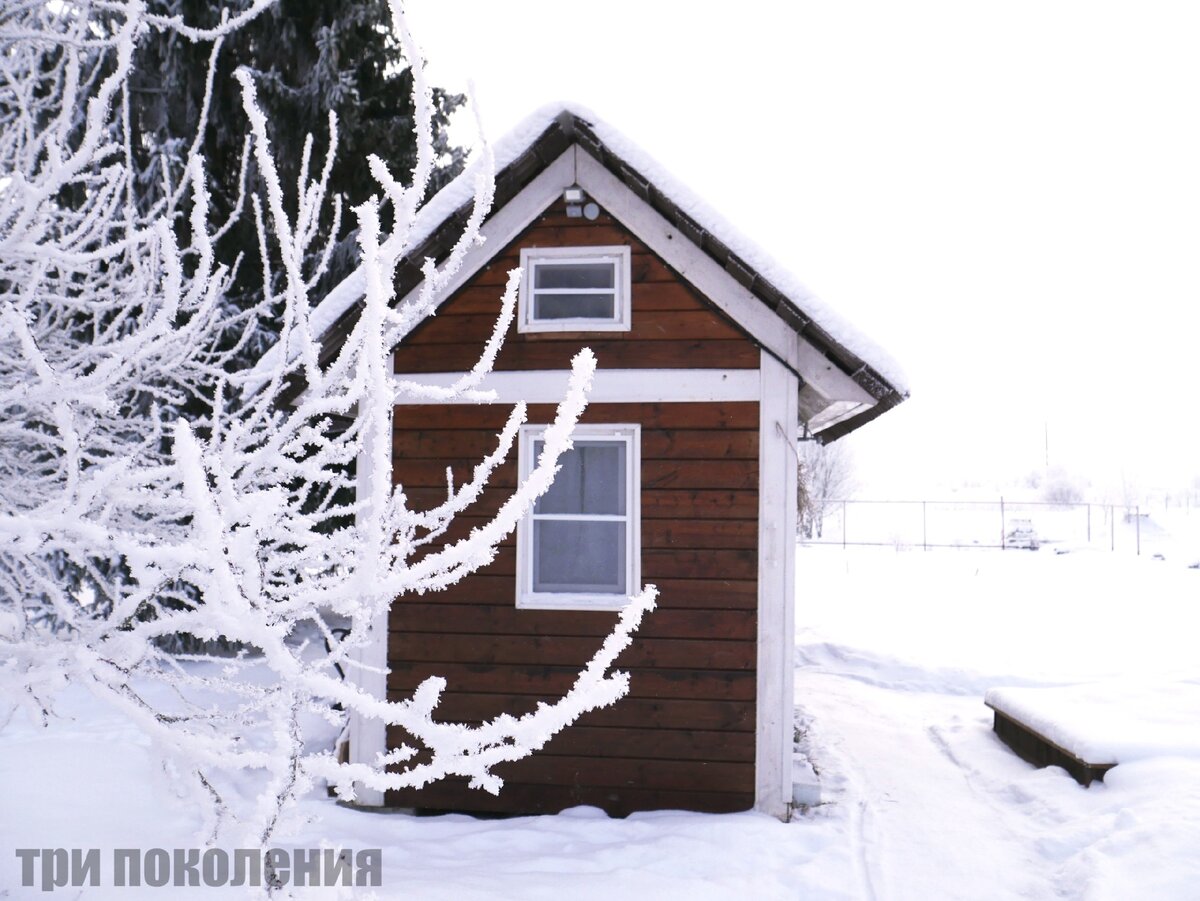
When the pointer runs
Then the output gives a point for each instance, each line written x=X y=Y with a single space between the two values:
x=683 y=475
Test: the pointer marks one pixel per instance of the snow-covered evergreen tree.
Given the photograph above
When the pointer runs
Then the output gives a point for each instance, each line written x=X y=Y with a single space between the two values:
x=307 y=58
x=239 y=525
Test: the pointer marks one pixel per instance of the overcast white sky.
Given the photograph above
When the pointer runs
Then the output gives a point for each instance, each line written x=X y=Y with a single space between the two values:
x=1004 y=195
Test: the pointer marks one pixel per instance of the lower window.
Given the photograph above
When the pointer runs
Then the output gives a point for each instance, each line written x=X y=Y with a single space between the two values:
x=579 y=548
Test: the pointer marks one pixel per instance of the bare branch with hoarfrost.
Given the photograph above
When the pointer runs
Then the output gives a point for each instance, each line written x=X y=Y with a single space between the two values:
x=123 y=525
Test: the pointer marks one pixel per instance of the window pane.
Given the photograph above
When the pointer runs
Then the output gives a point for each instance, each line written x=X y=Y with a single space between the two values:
x=574 y=306
x=569 y=555
x=591 y=479
x=574 y=275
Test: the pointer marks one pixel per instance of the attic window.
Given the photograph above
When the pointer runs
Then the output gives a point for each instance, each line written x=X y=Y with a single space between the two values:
x=574 y=289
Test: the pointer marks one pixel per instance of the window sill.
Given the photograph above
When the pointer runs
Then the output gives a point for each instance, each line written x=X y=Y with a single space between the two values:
x=583 y=326
x=613 y=603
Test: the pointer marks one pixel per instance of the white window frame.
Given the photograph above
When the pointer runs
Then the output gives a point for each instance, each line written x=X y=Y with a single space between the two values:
x=622 y=312
x=527 y=598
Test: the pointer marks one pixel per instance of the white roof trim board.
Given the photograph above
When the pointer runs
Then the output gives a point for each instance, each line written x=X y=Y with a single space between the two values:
x=516 y=144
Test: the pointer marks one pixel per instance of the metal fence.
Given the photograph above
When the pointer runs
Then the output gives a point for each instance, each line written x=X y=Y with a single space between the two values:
x=997 y=524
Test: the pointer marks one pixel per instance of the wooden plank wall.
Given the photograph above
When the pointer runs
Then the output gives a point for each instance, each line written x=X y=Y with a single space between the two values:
x=672 y=325
x=684 y=737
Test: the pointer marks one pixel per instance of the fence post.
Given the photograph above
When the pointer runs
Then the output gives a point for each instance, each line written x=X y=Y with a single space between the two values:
x=1003 y=538
x=1137 y=518
x=924 y=529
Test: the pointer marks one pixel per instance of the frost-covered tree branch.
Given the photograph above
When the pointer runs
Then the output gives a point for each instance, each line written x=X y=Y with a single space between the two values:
x=124 y=525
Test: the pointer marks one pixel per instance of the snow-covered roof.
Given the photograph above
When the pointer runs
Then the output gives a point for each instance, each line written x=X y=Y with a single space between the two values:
x=767 y=268
x=529 y=147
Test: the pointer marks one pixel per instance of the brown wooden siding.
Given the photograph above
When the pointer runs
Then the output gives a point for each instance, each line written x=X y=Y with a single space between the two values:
x=672 y=325
x=684 y=736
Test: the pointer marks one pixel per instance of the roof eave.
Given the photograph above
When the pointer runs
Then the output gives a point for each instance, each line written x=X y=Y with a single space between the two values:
x=567 y=128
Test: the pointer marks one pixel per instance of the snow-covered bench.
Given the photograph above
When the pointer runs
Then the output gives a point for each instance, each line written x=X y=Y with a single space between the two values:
x=1032 y=746
x=1088 y=729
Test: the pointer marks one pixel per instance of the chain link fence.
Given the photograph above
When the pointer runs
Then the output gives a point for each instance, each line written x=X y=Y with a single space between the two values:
x=999 y=524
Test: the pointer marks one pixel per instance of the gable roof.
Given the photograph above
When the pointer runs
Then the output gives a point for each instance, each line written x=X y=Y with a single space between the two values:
x=530 y=149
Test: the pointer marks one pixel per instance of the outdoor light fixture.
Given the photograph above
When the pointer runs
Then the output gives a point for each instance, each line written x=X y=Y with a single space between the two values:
x=574 y=197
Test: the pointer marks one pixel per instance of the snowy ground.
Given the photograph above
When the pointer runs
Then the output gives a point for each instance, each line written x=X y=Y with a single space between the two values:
x=891 y=682
x=895 y=651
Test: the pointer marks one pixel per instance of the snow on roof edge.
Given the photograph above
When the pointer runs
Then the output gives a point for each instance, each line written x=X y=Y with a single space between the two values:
x=835 y=324
x=509 y=148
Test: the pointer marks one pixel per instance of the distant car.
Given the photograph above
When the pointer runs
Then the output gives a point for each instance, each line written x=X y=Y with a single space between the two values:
x=1021 y=535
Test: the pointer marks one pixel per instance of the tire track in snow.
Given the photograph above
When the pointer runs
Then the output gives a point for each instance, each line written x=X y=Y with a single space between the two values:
x=1026 y=814
x=863 y=863
x=840 y=777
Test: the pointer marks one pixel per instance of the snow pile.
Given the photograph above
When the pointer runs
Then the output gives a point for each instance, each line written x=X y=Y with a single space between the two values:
x=90 y=780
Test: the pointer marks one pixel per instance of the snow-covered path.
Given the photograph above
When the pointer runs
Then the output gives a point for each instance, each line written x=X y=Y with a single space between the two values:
x=894 y=655
x=923 y=823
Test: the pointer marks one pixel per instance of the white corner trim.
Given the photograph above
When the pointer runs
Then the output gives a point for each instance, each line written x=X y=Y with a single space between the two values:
x=778 y=424
x=368 y=735
x=549 y=386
